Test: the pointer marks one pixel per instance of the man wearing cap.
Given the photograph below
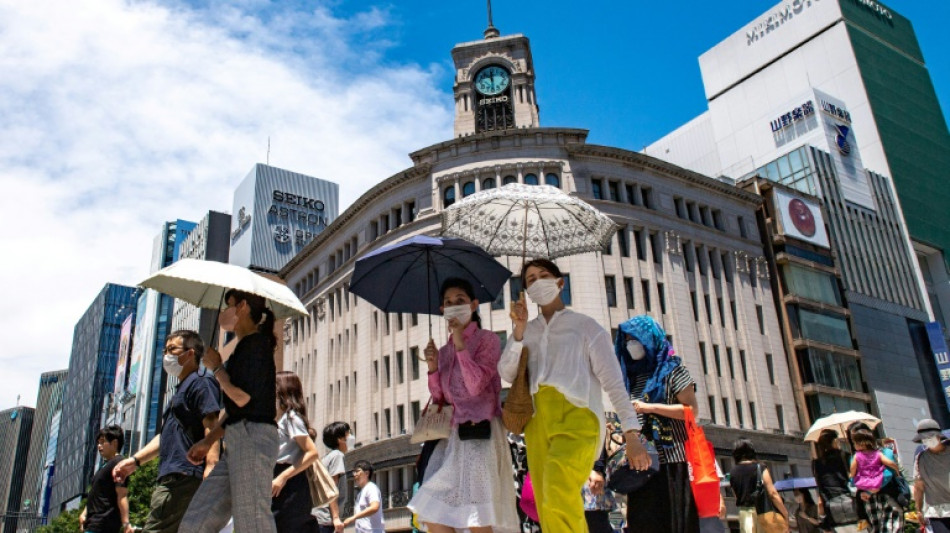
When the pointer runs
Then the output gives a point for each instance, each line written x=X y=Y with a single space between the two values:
x=932 y=477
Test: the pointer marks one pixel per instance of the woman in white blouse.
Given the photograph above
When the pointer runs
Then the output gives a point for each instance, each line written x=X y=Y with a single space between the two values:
x=570 y=362
x=290 y=490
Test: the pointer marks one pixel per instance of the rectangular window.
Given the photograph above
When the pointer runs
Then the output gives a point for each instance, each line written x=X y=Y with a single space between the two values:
x=397 y=217
x=566 y=290
x=770 y=366
x=716 y=360
x=376 y=424
x=830 y=369
x=631 y=195
x=373 y=231
x=638 y=241
x=725 y=411
x=411 y=210
x=609 y=250
x=829 y=329
x=400 y=374
x=708 y=309
x=389 y=422
x=759 y=315
x=742 y=363
x=704 y=214
x=702 y=356
x=401 y=417
x=726 y=266
x=387 y=370
x=416 y=410
x=622 y=241
x=712 y=408
x=717 y=219
x=648 y=200
x=752 y=415
x=695 y=302
x=722 y=312
x=597 y=189
x=414 y=356
x=743 y=232
x=812 y=284
x=514 y=288
x=739 y=419
x=386 y=324
x=753 y=280
x=688 y=259
x=735 y=315
x=645 y=290
x=780 y=413
x=399 y=324
x=701 y=259
x=680 y=206
x=614 y=188
x=732 y=368
x=628 y=292
x=692 y=211
x=375 y=375
x=415 y=319
x=610 y=285
x=713 y=264
x=656 y=246
x=661 y=296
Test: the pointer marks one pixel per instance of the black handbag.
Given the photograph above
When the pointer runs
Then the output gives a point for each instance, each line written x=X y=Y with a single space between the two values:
x=475 y=430
x=620 y=477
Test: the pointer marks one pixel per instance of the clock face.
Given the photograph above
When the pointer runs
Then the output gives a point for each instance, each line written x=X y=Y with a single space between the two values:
x=492 y=80
x=802 y=217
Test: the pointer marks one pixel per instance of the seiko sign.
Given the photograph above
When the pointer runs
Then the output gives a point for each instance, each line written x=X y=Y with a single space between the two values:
x=776 y=19
x=495 y=100
x=294 y=199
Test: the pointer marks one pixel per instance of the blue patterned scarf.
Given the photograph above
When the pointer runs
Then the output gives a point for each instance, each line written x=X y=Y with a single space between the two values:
x=659 y=361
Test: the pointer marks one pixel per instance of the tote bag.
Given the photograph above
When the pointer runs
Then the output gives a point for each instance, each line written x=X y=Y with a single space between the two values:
x=518 y=408
x=322 y=488
x=433 y=424
x=701 y=460
x=768 y=519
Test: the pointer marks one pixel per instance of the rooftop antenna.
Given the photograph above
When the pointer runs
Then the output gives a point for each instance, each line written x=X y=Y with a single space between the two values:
x=268 y=150
x=491 y=31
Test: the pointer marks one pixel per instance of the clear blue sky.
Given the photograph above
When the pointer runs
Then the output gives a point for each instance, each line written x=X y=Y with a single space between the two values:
x=626 y=70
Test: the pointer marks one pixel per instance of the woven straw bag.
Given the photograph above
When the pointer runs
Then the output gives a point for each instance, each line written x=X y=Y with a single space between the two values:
x=518 y=408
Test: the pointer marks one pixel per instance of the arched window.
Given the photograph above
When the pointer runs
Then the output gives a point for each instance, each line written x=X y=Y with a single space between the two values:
x=488 y=183
x=448 y=197
x=509 y=179
x=468 y=188
x=552 y=180
x=530 y=179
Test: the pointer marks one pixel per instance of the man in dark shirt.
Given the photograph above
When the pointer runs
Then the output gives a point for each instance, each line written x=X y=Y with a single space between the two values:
x=190 y=416
x=107 y=506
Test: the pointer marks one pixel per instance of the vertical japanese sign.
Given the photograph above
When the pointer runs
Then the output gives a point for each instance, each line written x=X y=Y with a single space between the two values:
x=122 y=364
x=938 y=345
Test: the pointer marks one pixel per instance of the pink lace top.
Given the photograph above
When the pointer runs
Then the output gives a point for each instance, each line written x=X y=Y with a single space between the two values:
x=469 y=379
x=870 y=473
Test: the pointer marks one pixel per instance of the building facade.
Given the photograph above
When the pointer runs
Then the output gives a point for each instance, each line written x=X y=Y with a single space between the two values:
x=860 y=51
x=276 y=214
x=688 y=253
x=15 y=427
x=41 y=460
x=91 y=377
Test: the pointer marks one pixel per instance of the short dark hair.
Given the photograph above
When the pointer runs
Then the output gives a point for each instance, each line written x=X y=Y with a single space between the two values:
x=743 y=450
x=333 y=432
x=111 y=433
x=365 y=466
x=543 y=264
x=190 y=340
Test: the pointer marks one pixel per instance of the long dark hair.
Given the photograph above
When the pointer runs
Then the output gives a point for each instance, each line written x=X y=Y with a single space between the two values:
x=290 y=395
x=826 y=442
x=260 y=314
x=466 y=287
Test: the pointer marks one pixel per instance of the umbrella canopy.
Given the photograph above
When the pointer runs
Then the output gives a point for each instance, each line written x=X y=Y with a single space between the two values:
x=795 y=483
x=406 y=277
x=530 y=221
x=204 y=283
x=839 y=422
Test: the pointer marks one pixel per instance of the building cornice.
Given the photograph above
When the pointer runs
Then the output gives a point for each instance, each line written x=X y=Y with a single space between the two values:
x=493 y=140
x=354 y=210
x=644 y=161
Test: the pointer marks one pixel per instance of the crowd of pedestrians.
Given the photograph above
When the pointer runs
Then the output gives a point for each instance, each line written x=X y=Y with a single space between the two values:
x=236 y=440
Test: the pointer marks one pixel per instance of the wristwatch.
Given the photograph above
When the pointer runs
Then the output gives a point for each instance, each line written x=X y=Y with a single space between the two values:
x=137 y=462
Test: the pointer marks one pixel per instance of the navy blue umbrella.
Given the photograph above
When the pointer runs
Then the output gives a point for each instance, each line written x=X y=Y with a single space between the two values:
x=406 y=277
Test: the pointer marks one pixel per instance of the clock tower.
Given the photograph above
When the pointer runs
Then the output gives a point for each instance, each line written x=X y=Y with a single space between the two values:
x=494 y=84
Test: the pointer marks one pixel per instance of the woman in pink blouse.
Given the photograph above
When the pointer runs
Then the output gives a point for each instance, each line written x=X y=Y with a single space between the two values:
x=468 y=482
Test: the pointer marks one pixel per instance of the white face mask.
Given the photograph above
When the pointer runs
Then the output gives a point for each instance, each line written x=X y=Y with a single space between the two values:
x=637 y=352
x=931 y=442
x=462 y=313
x=543 y=291
x=350 y=442
x=170 y=364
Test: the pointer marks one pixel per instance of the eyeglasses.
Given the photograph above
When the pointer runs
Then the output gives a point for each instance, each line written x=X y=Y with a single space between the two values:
x=174 y=350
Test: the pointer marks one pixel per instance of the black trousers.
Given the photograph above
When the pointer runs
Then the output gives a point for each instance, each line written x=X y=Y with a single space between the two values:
x=665 y=504
x=292 y=506
x=598 y=521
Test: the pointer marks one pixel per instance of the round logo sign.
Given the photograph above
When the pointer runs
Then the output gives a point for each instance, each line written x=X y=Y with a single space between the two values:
x=802 y=217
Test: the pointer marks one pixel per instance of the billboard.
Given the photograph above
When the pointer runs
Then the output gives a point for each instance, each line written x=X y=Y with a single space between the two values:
x=122 y=363
x=938 y=346
x=801 y=218
x=143 y=337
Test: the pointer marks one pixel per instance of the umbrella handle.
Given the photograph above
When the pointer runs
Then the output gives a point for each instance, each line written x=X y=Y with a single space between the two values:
x=214 y=326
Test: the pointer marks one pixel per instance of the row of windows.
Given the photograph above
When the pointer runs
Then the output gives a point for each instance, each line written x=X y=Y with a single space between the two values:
x=633 y=193
x=720 y=305
x=743 y=366
x=740 y=419
x=469 y=187
x=702 y=214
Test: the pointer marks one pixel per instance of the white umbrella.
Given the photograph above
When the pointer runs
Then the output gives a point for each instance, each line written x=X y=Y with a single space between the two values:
x=530 y=221
x=204 y=283
x=840 y=422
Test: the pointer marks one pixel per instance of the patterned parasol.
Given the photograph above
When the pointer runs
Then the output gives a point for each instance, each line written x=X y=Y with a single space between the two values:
x=530 y=221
